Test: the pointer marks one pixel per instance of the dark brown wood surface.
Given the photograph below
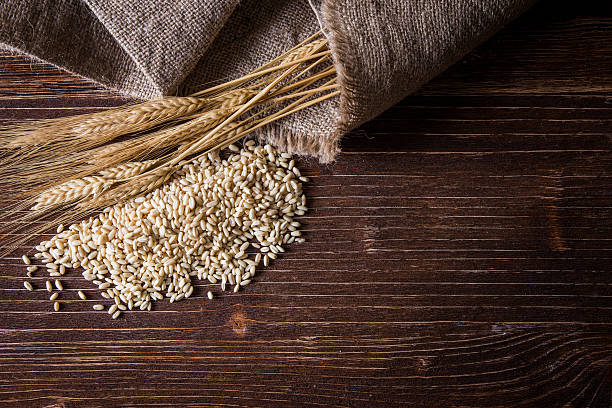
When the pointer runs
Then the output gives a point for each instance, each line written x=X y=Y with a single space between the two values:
x=458 y=253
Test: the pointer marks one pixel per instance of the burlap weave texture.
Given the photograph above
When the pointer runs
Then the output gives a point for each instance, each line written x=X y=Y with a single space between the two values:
x=382 y=49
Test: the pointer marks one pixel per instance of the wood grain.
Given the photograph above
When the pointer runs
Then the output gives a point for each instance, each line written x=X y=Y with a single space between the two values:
x=458 y=255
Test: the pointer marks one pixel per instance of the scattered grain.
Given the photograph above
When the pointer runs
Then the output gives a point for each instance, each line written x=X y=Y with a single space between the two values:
x=28 y=286
x=58 y=285
x=199 y=224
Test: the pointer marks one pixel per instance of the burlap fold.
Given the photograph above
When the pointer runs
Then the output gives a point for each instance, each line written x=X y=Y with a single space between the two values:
x=383 y=50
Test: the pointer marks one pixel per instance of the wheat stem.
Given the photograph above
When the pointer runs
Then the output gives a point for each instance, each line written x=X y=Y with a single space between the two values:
x=70 y=169
x=305 y=82
x=280 y=57
x=237 y=113
x=244 y=79
x=308 y=92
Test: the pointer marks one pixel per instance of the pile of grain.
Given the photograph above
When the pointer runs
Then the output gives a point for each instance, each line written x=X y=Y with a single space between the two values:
x=201 y=224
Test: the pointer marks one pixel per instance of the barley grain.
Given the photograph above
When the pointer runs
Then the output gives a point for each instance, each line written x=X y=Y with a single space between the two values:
x=28 y=286
x=58 y=285
x=98 y=307
x=26 y=260
x=49 y=286
x=54 y=296
x=56 y=306
x=82 y=295
x=199 y=224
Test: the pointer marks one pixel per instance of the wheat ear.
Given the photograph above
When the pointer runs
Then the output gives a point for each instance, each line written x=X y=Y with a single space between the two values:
x=142 y=184
x=75 y=171
x=140 y=117
x=71 y=191
x=127 y=170
x=77 y=189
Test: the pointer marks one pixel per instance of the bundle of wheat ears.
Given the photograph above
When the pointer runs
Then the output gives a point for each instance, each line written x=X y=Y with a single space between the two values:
x=67 y=168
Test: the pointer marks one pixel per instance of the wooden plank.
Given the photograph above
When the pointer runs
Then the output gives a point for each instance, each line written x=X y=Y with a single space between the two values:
x=458 y=254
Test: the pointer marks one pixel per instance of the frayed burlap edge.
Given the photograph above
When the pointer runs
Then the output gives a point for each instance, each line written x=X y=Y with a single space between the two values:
x=342 y=59
x=350 y=112
x=324 y=147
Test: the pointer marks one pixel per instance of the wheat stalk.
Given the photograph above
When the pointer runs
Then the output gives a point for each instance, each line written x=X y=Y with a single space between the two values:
x=80 y=188
x=298 y=56
x=140 y=117
x=144 y=183
x=234 y=98
x=73 y=166
x=164 y=138
x=127 y=170
x=303 y=51
x=71 y=191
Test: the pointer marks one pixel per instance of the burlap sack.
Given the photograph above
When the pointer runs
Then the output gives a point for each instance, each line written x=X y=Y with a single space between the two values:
x=383 y=49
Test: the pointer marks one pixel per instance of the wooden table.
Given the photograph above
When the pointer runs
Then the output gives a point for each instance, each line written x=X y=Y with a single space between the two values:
x=458 y=254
